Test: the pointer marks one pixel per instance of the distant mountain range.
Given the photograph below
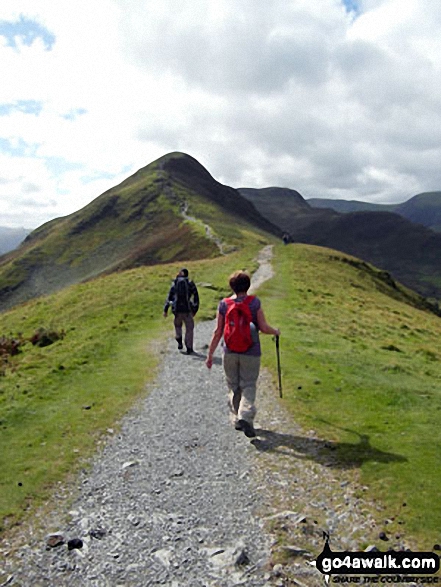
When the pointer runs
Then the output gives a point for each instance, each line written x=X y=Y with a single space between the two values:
x=10 y=238
x=174 y=210
x=408 y=250
x=423 y=208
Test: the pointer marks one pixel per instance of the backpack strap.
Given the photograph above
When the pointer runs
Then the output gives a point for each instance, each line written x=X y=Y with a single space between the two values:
x=230 y=301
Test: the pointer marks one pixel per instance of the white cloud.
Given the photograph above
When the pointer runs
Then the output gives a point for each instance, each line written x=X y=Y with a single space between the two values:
x=299 y=93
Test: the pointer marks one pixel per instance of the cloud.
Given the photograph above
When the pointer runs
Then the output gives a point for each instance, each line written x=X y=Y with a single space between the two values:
x=333 y=98
x=228 y=47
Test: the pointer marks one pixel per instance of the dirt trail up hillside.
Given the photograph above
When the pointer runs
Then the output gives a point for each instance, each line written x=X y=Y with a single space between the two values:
x=177 y=497
x=208 y=230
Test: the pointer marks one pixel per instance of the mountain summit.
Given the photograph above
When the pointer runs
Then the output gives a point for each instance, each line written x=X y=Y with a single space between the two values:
x=170 y=210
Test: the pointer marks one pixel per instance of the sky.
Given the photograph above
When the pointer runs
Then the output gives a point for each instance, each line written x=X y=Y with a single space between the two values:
x=333 y=98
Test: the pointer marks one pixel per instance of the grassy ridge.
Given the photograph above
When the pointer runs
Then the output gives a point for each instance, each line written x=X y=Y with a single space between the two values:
x=363 y=369
x=56 y=401
x=359 y=366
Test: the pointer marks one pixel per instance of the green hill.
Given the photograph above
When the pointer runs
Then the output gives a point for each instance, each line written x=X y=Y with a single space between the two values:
x=360 y=366
x=410 y=252
x=170 y=210
x=359 y=350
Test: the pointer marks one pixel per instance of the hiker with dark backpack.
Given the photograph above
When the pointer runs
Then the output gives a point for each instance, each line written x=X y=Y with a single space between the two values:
x=183 y=298
x=239 y=320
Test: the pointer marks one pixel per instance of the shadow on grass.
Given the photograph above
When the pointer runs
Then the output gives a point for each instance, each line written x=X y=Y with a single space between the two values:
x=343 y=455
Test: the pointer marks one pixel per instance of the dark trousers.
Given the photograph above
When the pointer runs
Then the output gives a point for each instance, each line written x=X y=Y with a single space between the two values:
x=187 y=319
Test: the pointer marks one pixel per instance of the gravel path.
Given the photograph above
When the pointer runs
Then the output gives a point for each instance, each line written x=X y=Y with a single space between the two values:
x=169 y=500
x=179 y=498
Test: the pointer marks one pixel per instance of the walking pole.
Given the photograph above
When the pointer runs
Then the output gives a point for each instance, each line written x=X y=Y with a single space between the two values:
x=278 y=366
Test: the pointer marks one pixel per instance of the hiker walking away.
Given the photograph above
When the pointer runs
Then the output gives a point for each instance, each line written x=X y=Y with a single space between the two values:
x=184 y=300
x=239 y=320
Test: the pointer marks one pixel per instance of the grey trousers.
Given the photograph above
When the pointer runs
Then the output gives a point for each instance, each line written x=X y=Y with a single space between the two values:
x=241 y=372
x=187 y=319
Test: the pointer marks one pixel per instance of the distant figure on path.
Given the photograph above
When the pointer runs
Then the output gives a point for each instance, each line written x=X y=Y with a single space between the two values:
x=239 y=320
x=184 y=300
x=286 y=238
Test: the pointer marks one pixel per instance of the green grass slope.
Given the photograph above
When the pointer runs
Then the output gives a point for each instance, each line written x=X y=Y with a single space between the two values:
x=56 y=401
x=360 y=360
x=411 y=252
x=139 y=222
x=361 y=366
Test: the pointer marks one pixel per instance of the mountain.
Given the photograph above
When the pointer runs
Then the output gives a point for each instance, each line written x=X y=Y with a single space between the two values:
x=271 y=199
x=284 y=207
x=170 y=210
x=10 y=238
x=422 y=209
x=345 y=206
x=174 y=210
x=411 y=252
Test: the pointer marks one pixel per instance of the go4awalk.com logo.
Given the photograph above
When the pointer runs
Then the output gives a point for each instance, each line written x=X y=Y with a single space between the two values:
x=406 y=567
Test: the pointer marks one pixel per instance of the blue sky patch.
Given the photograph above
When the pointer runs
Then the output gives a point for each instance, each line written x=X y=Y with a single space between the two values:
x=57 y=165
x=97 y=176
x=352 y=6
x=18 y=148
x=26 y=31
x=26 y=106
x=74 y=113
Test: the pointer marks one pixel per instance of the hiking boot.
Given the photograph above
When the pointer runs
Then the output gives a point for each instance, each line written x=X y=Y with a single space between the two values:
x=238 y=425
x=189 y=351
x=247 y=428
x=180 y=345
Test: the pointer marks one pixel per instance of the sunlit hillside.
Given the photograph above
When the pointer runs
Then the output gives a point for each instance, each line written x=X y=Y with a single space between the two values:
x=360 y=365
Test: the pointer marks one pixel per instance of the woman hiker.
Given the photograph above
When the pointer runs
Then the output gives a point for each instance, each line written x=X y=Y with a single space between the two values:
x=241 y=358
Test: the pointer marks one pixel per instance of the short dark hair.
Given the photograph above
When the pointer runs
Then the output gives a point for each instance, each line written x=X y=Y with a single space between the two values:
x=184 y=272
x=240 y=281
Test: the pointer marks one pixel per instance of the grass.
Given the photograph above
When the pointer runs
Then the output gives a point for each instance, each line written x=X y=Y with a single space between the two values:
x=360 y=366
x=362 y=369
x=57 y=401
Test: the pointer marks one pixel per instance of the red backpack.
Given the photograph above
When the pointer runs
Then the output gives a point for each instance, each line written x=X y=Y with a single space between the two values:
x=237 y=329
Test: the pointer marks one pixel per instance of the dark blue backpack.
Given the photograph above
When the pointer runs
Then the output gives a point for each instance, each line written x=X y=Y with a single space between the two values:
x=182 y=297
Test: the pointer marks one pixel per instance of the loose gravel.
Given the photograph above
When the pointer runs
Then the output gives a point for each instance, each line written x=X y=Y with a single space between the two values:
x=169 y=500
